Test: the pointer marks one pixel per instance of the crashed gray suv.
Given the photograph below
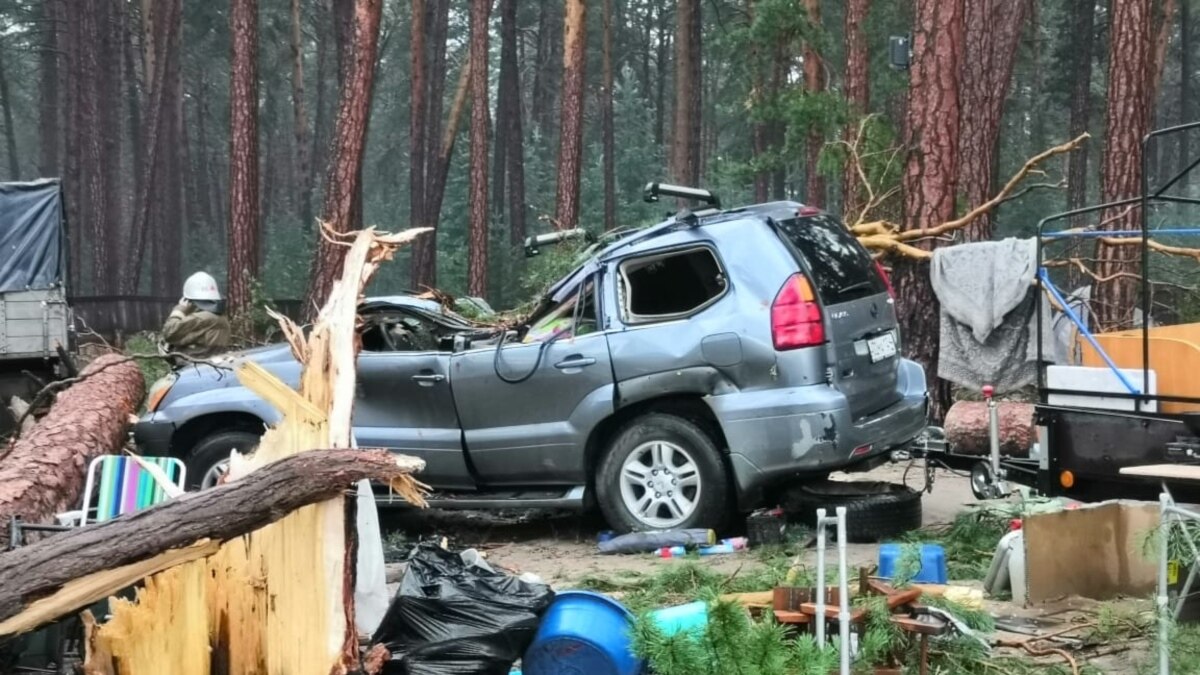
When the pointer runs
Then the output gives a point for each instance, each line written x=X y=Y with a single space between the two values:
x=681 y=373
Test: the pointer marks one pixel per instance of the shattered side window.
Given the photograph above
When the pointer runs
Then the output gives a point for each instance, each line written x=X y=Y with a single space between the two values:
x=671 y=285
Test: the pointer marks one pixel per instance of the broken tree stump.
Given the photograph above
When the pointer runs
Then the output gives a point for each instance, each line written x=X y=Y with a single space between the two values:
x=966 y=428
x=220 y=514
x=44 y=471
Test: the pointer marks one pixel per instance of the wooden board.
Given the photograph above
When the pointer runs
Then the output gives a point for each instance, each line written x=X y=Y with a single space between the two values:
x=1174 y=356
x=1166 y=471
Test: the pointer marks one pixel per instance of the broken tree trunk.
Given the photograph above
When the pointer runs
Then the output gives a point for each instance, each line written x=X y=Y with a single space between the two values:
x=44 y=471
x=966 y=428
x=279 y=601
x=220 y=514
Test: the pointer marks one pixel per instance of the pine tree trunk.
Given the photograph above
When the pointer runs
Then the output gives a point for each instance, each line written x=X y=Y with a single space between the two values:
x=300 y=121
x=342 y=182
x=109 y=110
x=244 y=208
x=72 y=150
x=418 y=106
x=545 y=75
x=929 y=182
x=423 y=270
x=570 y=148
x=606 y=122
x=814 y=83
x=511 y=134
x=94 y=179
x=477 y=244
x=993 y=33
x=49 y=122
x=1127 y=120
x=10 y=132
x=133 y=104
x=858 y=96
x=1082 y=28
x=661 y=61
x=685 y=138
x=508 y=103
x=1186 y=105
x=1164 y=23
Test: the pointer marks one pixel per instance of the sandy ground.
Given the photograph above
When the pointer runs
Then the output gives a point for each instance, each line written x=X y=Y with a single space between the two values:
x=561 y=549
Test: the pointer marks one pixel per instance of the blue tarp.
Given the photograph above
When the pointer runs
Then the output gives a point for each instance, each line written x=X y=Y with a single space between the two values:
x=32 y=241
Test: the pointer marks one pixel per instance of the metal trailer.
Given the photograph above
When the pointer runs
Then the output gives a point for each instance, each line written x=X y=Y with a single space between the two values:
x=37 y=332
x=1080 y=450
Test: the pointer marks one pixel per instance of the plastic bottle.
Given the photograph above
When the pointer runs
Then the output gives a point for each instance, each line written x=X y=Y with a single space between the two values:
x=671 y=552
x=738 y=543
x=717 y=549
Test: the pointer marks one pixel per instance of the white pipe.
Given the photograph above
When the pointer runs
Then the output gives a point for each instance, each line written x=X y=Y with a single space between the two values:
x=820 y=617
x=843 y=592
x=1164 y=624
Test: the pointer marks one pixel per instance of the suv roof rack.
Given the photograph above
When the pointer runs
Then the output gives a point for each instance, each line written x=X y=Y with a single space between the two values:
x=655 y=190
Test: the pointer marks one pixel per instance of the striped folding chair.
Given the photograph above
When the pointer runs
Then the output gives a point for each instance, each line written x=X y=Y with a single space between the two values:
x=118 y=484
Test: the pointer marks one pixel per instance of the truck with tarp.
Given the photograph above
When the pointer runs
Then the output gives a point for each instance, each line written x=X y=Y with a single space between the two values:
x=36 y=325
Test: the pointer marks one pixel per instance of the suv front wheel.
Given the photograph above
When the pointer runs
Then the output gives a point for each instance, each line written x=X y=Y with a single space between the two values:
x=662 y=472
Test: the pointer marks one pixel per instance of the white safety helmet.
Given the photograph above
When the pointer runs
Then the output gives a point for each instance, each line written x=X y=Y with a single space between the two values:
x=202 y=287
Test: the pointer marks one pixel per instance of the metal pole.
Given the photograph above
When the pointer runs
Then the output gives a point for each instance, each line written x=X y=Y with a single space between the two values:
x=843 y=593
x=820 y=617
x=993 y=438
x=1164 y=624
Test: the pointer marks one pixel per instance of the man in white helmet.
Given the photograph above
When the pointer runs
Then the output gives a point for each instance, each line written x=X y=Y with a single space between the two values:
x=197 y=325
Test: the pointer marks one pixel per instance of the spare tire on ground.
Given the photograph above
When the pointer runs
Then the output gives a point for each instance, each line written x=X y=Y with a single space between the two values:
x=874 y=510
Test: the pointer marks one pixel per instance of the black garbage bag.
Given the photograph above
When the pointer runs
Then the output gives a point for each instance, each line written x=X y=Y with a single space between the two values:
x=451 y=618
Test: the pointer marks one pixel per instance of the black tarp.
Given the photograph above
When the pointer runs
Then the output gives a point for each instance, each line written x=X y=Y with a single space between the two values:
x=31 y=235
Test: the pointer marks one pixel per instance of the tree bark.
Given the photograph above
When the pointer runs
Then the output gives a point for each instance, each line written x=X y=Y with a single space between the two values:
x=545 y=80
x=929 y=183
x=1186 y=105
x=342 y=182
x=1127 y=120
x=441 y=166
x=507 y=101
x=814 y=83
x=244 y=207
x=49 y=122
x=97 y=195
x=967 y=428
x=44 y=471
x=570 y=146
x=1082 y=28
x=300 y=121
x=72 y=147
x=423 y=270
x=222 y=513
x=662 y=59
x=418 y=108
x=685 y=138
x=993 y=33
x=477 y=244
x=10 y=132
x=858 y=95
x=1163 y=27
x=133 y=106
x=606 y=122
x=512 y=133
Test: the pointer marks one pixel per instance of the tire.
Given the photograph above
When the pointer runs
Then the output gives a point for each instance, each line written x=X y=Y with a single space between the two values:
x=213 y=450
x=693 y=455
x=874 y=511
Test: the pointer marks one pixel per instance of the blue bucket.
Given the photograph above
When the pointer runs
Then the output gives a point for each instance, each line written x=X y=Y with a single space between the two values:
x=933 y=563
x=582 y=633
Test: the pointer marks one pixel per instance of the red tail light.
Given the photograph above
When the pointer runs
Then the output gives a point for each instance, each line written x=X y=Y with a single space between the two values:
x=796 y=316
x=887 y=281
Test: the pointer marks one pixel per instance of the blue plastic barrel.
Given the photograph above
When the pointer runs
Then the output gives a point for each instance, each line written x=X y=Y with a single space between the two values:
x=933 y=563
x=582 y=633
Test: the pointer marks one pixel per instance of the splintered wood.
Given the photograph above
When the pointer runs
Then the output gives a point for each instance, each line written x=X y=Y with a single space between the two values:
x=280 y=600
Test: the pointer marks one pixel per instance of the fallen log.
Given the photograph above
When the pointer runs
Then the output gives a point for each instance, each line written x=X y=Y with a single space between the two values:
x=966 y=428
x=44 y=470
x=220 y=514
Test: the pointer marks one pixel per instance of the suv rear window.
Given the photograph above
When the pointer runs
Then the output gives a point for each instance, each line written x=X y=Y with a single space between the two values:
x=842 y=268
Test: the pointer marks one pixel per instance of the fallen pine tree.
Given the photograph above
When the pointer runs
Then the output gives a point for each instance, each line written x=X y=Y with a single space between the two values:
x=33 y=578
x=43 y=471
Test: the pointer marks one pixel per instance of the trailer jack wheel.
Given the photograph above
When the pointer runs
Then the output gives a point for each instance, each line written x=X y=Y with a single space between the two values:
x=983 y=482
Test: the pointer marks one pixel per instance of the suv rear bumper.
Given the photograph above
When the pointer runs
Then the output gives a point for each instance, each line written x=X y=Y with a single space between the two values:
x=777 y=434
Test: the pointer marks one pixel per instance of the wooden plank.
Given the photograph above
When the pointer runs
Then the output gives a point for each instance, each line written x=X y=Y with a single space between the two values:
x=1167 y=471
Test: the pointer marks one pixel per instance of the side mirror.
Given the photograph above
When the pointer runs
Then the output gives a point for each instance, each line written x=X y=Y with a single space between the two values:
x=900 y=52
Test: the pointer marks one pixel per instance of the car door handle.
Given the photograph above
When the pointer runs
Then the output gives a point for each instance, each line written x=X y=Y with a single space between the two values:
x=428 y=380
x=574 y=362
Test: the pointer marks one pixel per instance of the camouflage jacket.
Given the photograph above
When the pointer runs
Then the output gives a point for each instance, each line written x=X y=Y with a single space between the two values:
x=198 y=333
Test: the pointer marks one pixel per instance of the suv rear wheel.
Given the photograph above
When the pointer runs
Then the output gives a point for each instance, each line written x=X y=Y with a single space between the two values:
x=208 y=460
x=662 y=472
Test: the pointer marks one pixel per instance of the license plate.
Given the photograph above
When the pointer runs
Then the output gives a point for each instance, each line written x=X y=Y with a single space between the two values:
x=882 y=347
